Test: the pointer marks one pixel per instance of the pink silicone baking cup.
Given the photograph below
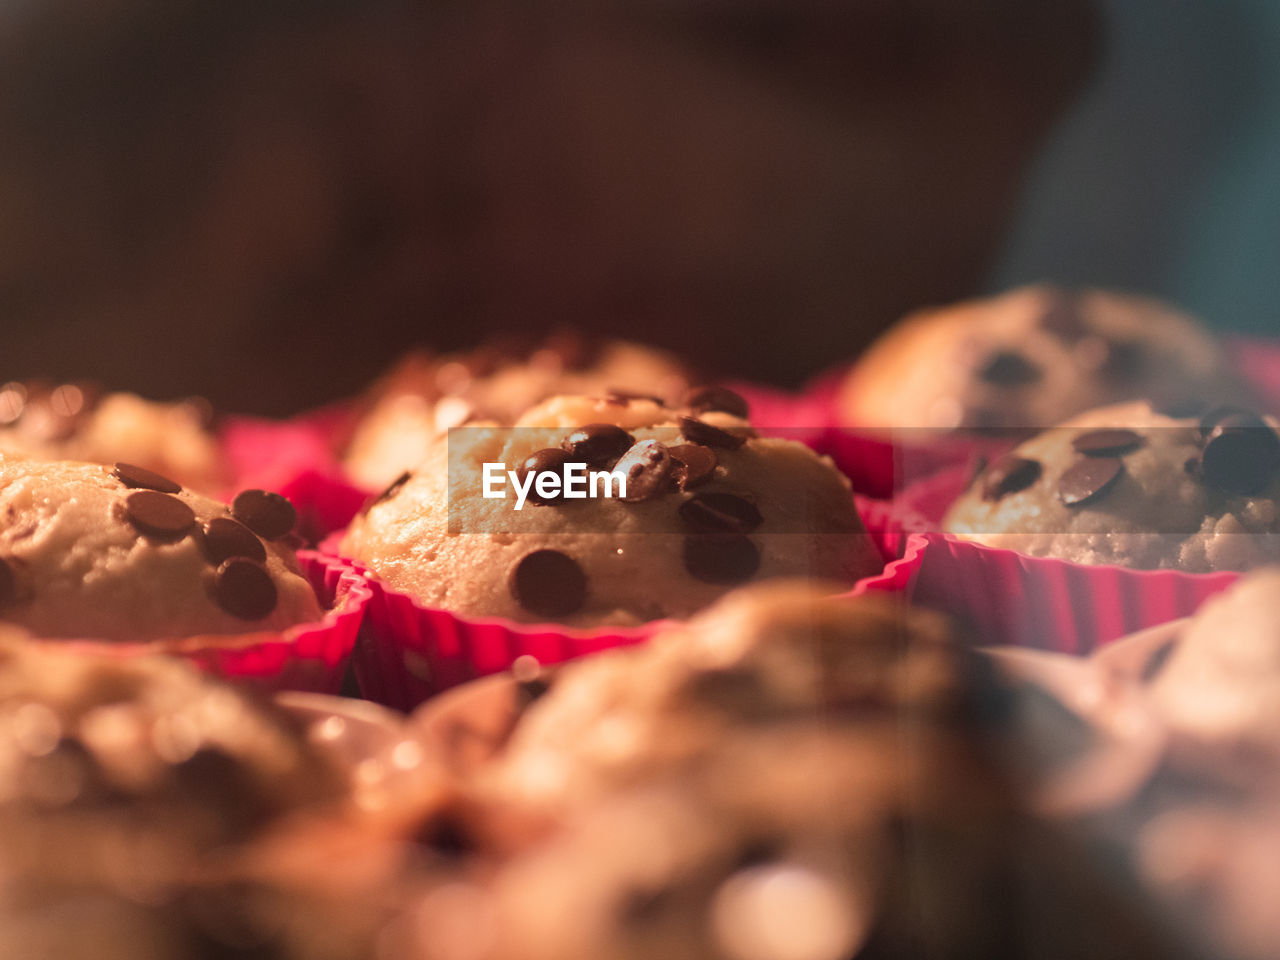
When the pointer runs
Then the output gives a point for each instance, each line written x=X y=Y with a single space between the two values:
x=882 y=463
x=311 y=657
x=1013 y=599
x=409 y=652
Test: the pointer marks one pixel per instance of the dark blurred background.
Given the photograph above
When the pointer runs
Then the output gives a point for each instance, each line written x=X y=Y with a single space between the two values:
x=264 y=201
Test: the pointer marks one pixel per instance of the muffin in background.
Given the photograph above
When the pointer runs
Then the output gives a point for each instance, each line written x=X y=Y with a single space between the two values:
x=75 y=422
x=1132 y=486
x=1031 y=358
x=424 y=395
x=123 y=554
x=708 y=506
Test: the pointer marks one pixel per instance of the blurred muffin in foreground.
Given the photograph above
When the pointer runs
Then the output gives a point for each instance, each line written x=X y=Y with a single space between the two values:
x=128 y=788
x=786 y=777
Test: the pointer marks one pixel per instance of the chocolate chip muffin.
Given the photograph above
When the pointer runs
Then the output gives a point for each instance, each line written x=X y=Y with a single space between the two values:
x=425 y=395
x=766 y=654
x=707 y=506
x=130 y=792
x=76 y=422
x=1031 y=358
x=90 y=736
x=786 y=775
x=123 y=554
x=1132 y=486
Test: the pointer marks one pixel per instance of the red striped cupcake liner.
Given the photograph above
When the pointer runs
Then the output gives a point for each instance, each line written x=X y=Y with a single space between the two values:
x=1014 y=599
x=410 y=652
x=310 y=657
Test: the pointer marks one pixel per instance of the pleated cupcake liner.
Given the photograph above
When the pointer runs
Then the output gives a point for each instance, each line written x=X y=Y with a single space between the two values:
x=1010 y=598
x=410 y=652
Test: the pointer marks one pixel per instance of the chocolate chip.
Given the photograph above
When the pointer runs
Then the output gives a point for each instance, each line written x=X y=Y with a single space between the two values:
x=530 y=691
x=625 y=397
x=1238 y=416
x=720 y=513
x=244 y=589
x=8 y=583
x=142 y=478
x=548 y=583
x=1009 y=475
x=394 y=487
x=984 y=420
x=158 y=516
x=225 y=538
x=702 y=399
x=647 y=467
x=699 y=431
x=546 y=460
x=267 y=514
x=1108 y=443
x=1087 y=479
x=1179 y=407
x=691 y=464
x=1006 y=368
x=1155 y=663
x=1122 y=359
x=721 y=557
x=1242 y=455
x=977 y=467
x=386 y=494
x=738 y=692
x=598 y=445
x=1064 y=315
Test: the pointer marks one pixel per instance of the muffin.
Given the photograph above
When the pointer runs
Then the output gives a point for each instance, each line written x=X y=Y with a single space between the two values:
x=786 y=775
x=1219 y=682
x=767 y=654
x=1031 y=358
x=708 y=505
x=1131 y=486
x=146 y=809
x=123 y=554
x=191 y=762
x=1202 y=827
x=75 y=422
x=424 y=395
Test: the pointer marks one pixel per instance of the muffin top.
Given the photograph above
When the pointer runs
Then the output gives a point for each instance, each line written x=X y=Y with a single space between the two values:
x=75 y=422
x=1131 y=486
x=424 y=395
x=708 y=505
x=1031 y=358
x=123 y=554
